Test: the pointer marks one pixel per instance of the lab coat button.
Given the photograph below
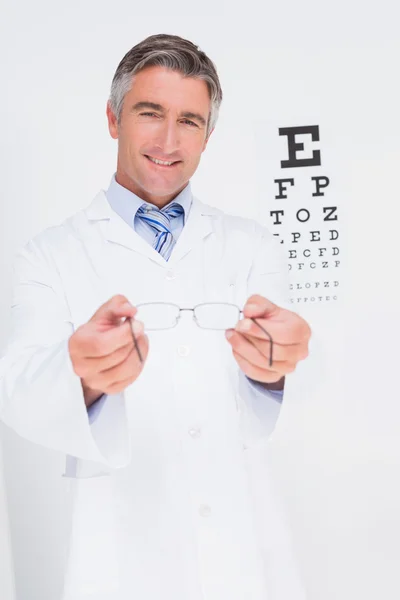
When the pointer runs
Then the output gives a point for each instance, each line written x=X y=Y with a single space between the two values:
x=183 y=350
x=194 y=433
x=204 y=510
x=170 y=275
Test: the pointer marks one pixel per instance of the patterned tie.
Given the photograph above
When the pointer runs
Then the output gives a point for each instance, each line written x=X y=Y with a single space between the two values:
x=160 y=222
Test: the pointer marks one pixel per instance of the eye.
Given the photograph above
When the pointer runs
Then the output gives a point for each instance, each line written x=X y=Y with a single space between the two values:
x=151 y=114
x=147 y=114
x=191 y=122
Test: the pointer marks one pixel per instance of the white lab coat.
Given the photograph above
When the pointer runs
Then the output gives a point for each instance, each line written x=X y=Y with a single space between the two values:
x=172 y=499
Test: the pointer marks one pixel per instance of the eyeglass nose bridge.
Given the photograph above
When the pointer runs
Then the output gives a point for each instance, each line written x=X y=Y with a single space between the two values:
x=183 y=310
x=193 y=310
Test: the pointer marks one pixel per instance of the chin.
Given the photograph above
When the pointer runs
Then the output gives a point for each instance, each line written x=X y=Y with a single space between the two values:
x=162 y=190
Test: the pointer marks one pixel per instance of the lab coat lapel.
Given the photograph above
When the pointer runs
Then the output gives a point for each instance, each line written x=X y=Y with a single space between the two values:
x=198 y=226
x=116 y=231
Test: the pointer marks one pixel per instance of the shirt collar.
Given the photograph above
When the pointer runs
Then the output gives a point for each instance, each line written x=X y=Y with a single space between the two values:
x=126 y=204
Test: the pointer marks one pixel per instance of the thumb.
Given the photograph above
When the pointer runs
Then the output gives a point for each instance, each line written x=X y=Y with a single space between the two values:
x=258 y=306
x=114 y=310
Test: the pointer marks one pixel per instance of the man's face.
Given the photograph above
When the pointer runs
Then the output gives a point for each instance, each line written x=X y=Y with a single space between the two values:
x=171 y=128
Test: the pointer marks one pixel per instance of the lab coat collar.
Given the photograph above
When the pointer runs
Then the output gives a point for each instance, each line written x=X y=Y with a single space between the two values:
x=198 y=226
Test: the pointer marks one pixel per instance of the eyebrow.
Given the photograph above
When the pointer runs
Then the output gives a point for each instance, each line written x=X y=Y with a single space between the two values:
x=188 y=115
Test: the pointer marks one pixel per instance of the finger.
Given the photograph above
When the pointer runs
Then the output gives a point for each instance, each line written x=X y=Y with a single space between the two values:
x=141 y=351
x=256 y=373
x=291 y=353
x=95 y=344
x=128 y=370
x=249 y=351
x=258 y=306
x=284 y=333
x=279 y=352
x=132 y=364
x=244 y=343
x=107 y=362
x=114 y=309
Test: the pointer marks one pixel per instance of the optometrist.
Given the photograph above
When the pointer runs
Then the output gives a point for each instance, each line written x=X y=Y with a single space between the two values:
x=140 y=346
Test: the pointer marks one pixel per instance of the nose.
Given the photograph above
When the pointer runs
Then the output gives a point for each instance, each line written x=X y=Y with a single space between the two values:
x=168 y=138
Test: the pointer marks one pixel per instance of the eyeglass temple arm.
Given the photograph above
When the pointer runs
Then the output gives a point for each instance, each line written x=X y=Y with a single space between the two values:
x=136 y=343
x=268 y=336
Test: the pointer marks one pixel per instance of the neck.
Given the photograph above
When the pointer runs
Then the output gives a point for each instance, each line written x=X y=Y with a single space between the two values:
x=158 y=201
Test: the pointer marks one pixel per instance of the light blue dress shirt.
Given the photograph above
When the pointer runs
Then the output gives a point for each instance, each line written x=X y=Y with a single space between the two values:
x=126 y=204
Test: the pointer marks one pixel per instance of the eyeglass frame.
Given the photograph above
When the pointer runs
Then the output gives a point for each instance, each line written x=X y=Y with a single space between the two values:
x=195 y=320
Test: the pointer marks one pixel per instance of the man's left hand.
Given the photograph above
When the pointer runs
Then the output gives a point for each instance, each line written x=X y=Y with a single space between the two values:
x=251 y=347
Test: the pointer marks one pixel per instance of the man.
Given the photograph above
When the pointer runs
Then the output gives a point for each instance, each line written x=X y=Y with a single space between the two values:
x=118 y=356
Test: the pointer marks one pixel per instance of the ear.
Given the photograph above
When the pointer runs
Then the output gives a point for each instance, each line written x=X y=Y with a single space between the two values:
x=112 y=122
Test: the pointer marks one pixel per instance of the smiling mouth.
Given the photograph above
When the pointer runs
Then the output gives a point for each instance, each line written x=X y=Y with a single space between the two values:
x=162 y=164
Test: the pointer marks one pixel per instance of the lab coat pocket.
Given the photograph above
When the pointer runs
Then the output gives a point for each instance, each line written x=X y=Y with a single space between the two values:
x=92 y=568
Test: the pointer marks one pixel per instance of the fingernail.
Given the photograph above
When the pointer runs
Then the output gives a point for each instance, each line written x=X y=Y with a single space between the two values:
x=229 y=333
x=127 y=306
x=244 y=325
x=137 y=327
x=251 y=307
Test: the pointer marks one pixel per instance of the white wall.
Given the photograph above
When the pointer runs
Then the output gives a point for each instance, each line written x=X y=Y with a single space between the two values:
x=335 y=453
x=7 y=586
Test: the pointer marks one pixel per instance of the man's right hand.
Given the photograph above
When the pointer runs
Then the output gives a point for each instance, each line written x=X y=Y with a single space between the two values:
x=103 y=351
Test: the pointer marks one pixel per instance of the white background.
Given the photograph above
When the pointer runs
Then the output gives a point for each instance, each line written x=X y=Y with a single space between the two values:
x=335 y=453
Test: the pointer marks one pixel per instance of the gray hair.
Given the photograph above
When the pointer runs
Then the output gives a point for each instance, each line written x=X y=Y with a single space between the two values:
x=172 y=52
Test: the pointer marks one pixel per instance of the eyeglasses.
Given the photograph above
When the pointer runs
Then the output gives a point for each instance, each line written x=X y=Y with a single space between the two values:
x=209 y=315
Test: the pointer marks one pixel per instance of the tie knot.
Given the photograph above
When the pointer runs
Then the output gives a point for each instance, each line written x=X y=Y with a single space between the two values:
x=159 y=220
x=171 y=211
